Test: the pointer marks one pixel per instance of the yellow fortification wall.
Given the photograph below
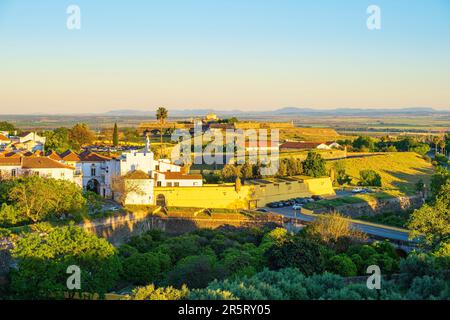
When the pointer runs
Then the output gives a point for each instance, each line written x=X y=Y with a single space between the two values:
x=252 y=195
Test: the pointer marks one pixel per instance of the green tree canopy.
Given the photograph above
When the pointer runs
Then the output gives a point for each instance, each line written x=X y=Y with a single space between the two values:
x=36 y=199
x=369 y=178
x=43 y=258
x=314 y=165
x=364 y=144
x=58 y=140
x=6 y=126
x=80 y=135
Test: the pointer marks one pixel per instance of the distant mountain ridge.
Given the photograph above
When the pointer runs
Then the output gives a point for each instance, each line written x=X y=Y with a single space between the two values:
x=294 y=111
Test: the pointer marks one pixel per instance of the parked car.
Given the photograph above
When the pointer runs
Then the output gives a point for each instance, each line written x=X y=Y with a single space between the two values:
x=297 y=207
x=262 y=210
x=357 y=190
x=278 y=205
x=317 y=198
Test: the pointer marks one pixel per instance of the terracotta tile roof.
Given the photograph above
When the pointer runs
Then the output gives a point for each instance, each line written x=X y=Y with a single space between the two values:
x=137 y=175
x=53 y=155
x=300 y=145
x=43 y=163
x=4 y=138
x=69 y=155
x=181 y=176
x=12 y=154
x=92 y=157
x=10 y=161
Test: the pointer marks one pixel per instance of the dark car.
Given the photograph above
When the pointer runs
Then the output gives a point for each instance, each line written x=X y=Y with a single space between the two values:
x=272 y=205
x=317 y=198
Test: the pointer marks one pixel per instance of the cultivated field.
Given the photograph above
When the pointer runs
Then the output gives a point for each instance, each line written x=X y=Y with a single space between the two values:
x=309 y=134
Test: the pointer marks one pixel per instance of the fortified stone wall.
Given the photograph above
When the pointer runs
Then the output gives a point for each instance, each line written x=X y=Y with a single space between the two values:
x=251 y=195
x=118 y=230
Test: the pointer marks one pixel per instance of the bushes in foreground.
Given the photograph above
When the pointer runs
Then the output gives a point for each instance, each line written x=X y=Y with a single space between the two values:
x=291 y=284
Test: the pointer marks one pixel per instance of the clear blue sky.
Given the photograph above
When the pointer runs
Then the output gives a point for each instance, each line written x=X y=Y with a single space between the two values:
x=246 y=54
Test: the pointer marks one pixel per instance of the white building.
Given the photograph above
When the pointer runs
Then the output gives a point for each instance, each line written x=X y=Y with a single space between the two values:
x=12 y=167
x=178 y=179
x=30 y=141
x=97 y=173
x=4 y=140
x=130 y=178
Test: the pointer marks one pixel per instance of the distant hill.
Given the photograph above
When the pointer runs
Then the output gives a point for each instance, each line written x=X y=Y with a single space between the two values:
x=287 y=111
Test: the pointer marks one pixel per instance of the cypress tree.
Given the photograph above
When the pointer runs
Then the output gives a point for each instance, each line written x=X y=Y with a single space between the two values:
x=115 y=135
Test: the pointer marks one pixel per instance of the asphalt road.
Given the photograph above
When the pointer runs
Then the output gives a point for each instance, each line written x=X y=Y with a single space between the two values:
x=368 y=228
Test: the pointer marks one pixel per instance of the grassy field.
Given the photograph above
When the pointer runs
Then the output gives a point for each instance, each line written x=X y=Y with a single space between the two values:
x=309 y=134
x=398 y=170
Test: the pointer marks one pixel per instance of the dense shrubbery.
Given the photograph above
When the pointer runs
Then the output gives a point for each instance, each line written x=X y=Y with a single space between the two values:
x=431 y=223
x=369 y=178
x=44 y=256
x=226 y=263
x=290 y=284
x=396 y=219
x=202 y=256
x=313 y=165
x=34 y=199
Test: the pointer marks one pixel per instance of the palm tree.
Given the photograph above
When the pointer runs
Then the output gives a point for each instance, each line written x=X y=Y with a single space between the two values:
x=161 y=116
x=442 y=146
x=436 y=140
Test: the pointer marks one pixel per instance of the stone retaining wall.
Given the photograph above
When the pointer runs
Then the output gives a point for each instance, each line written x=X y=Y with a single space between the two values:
x=376 y=206
x=118 y=230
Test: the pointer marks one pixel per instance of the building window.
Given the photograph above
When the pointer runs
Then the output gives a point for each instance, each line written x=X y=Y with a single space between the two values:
x=159 y=184
x=93 y=172
x=63 y=174
x=176 y=184
x=13 y=173
x=195 y=183
x=157 y=168
x=169 y=184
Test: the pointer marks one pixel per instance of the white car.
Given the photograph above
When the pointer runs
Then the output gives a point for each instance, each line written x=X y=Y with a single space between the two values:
x=297 y=207
x=357 y=190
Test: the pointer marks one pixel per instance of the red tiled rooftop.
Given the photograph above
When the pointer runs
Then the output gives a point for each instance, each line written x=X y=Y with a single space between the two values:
x=137 y=175
x=88 y=156
x=53 y=155
x=69 y=155
x=10 y=161
x=43 y=163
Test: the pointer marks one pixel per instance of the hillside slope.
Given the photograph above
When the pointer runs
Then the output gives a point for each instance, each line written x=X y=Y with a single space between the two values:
x=398 y=170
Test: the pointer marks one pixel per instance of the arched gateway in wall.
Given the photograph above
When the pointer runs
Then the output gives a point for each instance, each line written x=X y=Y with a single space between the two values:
x=93 y=185
x=161 y=200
